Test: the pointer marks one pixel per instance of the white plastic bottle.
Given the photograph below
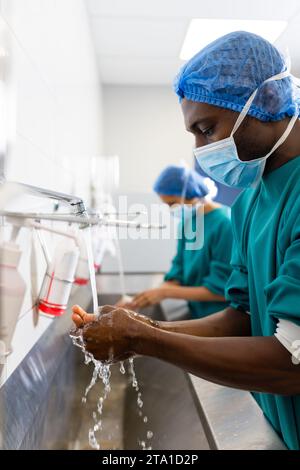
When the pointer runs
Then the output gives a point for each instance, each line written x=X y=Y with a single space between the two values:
x=82 y=276
x=12 y=291
x=102 y=244
x=58 y=280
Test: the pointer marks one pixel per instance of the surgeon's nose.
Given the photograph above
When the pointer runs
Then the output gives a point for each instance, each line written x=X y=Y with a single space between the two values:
x=200 y=141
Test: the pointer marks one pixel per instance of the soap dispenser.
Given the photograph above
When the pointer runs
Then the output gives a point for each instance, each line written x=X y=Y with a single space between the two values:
x=12 y=291
x=58 y=280
x=82 y=277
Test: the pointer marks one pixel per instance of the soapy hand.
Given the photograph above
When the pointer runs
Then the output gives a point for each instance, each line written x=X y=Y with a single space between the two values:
x=148 y=297
x=125 y=301
x=113 y=336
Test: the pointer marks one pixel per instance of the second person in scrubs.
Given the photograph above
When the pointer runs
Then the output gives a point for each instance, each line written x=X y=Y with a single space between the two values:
x=198 y=272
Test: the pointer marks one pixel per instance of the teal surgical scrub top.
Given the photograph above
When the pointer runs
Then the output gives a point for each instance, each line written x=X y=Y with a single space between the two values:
x=265 y=280
x=207 y=266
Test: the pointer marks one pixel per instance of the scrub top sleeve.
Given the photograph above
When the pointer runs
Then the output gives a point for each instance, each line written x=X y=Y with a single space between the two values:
x=283 y=293
x=219 y=269
x=176 y=271
x=237 y=290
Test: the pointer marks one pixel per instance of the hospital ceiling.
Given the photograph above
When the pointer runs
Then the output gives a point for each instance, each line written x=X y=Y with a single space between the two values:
x=138 y=41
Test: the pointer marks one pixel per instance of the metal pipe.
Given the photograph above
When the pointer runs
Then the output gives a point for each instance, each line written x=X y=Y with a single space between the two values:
x=81 y=220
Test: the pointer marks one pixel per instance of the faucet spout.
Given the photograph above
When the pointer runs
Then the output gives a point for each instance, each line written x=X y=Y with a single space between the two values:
x=76 y=203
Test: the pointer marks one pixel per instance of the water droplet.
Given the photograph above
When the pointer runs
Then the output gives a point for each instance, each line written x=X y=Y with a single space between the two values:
x=149 y=435
x=140 y=403
x=92 y=440
x=142 y=444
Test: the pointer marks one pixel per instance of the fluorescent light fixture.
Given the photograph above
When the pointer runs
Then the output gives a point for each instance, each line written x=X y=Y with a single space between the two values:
x=203 y=31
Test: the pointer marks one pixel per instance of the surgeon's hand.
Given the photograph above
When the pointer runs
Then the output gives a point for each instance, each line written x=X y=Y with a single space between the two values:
x=148 y=297
x=125 y=302
x=112 y=336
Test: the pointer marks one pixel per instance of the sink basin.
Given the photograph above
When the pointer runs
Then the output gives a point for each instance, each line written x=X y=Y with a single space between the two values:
x=183 y=411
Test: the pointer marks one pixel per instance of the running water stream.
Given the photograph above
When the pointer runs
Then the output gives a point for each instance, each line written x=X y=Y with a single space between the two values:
x=140 y=404
x=87 y=234
x=102 y=370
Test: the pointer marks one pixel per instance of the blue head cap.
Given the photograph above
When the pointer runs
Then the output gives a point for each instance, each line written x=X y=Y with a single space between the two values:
x=174 y=179
x=226 y=72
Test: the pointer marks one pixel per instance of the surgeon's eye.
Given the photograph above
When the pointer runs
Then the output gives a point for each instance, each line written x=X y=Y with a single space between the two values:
x=208 y=132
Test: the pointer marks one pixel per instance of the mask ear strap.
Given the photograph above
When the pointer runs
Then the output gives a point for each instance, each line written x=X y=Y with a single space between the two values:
x=284 y=135
x=246 y=108
x=243 y=113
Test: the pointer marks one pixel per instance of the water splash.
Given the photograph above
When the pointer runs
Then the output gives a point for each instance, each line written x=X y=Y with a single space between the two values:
x=140 y=404
x=122 y=368
x=101 y=372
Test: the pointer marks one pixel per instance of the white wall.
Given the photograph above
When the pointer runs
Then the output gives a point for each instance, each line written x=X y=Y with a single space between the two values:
x=54 y=117
x=144 y=127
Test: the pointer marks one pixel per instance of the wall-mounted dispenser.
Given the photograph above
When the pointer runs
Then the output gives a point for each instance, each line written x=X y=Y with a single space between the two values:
x=82 y=276
x=12 y=288
x=102 y=244
x=59 y=276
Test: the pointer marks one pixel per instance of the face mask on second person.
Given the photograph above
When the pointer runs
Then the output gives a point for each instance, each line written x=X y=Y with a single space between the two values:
x=220 y=160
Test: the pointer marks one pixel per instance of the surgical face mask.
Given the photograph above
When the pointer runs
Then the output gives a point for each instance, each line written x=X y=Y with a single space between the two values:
x=220 y=160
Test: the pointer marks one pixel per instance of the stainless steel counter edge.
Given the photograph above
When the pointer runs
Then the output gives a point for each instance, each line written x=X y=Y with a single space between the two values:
x=232 y=419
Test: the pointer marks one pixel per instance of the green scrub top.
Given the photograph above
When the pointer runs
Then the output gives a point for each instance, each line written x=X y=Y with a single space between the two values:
x=265 y=280
x=207 y=266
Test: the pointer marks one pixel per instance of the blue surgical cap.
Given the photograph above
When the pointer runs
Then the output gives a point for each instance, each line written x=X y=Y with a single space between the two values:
x=174 y=179
x=226 y=72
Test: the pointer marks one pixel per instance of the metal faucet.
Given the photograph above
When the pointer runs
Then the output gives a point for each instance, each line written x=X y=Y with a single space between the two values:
x=75 y=202
x=81 y=215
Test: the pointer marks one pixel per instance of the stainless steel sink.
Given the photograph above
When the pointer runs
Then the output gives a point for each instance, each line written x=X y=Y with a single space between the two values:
x=168 y=405
x=42 y=407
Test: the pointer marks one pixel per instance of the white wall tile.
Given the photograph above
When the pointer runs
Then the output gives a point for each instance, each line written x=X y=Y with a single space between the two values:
x=144 y=126
x=53 y=95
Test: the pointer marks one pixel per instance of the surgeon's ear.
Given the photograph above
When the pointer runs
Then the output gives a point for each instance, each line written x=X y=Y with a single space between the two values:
x=268 y=98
